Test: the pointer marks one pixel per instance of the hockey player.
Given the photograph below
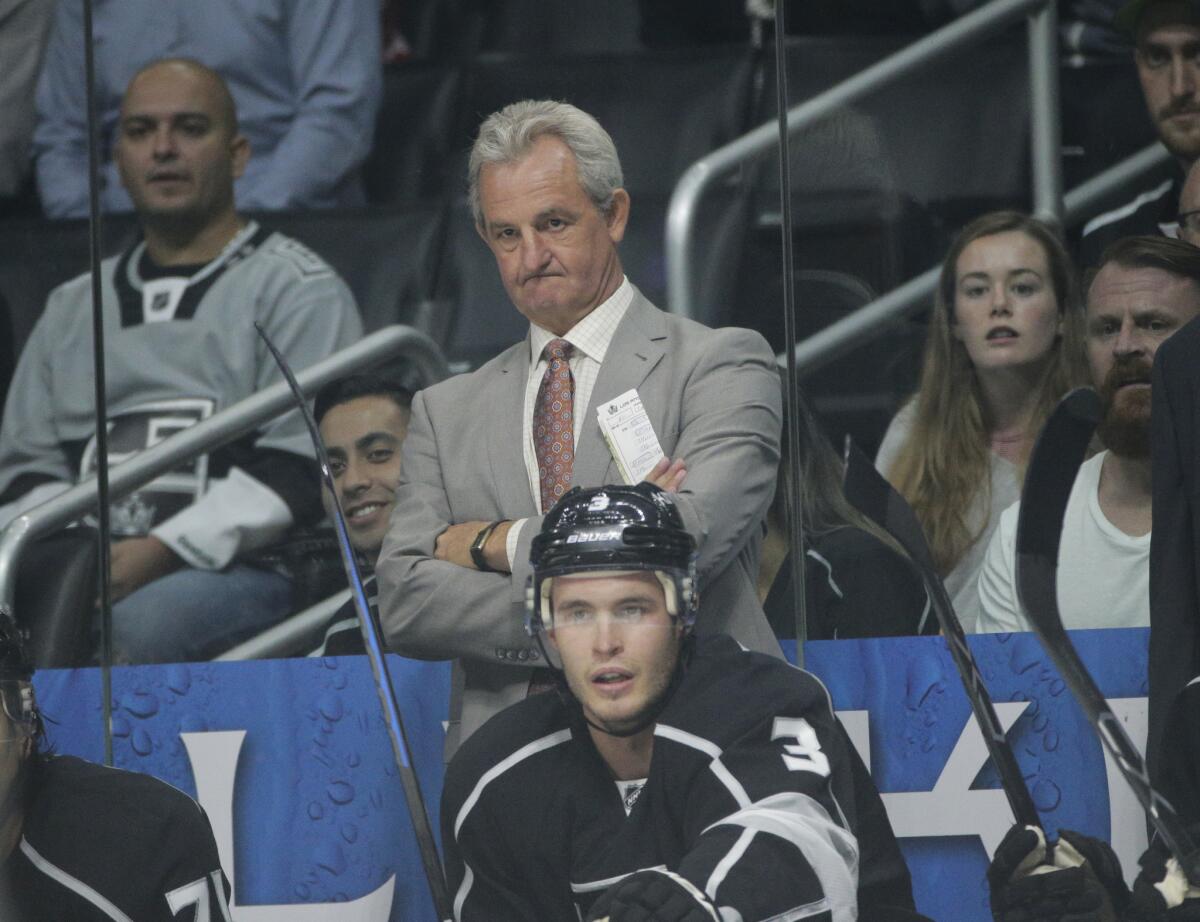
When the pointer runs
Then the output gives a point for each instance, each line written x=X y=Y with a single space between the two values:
x=180 y=307
x=83 y=843
x=666 y=776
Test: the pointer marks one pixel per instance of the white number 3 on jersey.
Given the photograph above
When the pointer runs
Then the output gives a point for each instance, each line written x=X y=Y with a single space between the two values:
x=804 y=755
x=196 y=895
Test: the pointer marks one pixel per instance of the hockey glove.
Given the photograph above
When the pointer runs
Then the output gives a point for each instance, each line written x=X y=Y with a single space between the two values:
x=653 y=896
x=1077 y=879
x=1161 y=892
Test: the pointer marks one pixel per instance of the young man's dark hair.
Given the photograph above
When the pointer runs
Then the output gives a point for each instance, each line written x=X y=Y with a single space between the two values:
x=362 y=439
x=366 y=384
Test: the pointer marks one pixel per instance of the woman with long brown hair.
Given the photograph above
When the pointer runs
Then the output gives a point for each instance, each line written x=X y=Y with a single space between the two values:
x=1003 y=347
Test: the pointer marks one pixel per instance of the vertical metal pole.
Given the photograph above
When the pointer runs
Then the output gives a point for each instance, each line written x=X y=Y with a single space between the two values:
x=1045 y=126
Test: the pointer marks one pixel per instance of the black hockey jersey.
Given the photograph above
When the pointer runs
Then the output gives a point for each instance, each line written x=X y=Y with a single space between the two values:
x=104 y=844
x=754 y=795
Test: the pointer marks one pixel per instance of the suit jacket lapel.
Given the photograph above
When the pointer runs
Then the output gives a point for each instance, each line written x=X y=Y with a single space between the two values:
x=505 y=403
x=637 y=346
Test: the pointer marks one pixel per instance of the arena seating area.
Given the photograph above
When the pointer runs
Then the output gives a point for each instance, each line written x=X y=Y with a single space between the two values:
x=877 y=190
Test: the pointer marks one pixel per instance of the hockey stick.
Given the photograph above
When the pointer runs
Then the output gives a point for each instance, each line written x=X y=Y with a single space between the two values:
x=796 y=552
x=1055 y=462
x=874 y=497
x=104 y=549
x=379 y=668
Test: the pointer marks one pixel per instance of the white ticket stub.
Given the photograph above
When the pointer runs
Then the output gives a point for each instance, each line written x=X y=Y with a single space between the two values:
x=630 y=435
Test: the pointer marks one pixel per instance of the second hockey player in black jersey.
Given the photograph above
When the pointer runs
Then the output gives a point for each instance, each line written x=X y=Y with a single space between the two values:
x=664 y=776
x=83 y=843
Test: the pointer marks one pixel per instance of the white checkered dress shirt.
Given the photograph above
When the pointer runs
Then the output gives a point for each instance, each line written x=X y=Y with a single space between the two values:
x=590 y=337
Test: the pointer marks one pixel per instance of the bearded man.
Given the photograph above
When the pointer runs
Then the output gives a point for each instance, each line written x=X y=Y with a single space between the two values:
x=1145 y=289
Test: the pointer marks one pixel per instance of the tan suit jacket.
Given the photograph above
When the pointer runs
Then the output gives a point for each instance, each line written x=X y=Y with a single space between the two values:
x=714 y=399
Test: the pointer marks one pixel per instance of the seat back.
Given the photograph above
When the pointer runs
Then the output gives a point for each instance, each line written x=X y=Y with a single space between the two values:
x=414 y=134
x=386 y=255
x=663 y=110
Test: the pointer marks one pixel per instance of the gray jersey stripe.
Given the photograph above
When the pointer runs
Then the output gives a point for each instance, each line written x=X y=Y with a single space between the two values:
x=711 y=749
x=593 y=885
x=732 y=857
x=530 y=749
x=74 y=884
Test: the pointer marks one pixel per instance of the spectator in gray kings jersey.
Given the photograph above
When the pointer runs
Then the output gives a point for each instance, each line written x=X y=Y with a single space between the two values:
x=180 y=308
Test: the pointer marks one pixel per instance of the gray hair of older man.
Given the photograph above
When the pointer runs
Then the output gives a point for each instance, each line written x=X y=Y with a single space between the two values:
x=506 y=136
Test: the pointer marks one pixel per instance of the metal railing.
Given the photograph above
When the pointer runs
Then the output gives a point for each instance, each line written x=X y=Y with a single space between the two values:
x=235 y=421
x=966 y=30
x=282 y=639
x=900 y=303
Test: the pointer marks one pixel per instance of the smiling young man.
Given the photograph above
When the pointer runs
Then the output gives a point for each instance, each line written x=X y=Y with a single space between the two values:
x=363 y=420
x=665 y=776
x=1145 y=289
x=489 y=452
x=180 y=307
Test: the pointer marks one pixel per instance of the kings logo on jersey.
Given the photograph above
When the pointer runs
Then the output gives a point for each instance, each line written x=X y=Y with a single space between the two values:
x=140 y=428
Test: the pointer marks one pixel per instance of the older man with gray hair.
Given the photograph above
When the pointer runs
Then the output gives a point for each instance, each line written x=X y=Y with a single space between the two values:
x=695 y=411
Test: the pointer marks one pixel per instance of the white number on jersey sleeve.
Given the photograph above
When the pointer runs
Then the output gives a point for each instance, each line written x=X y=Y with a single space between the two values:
x=196 y=894
x=804 y=755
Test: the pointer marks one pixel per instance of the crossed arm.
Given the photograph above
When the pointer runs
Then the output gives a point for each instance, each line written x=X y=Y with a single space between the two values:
x=723 y=458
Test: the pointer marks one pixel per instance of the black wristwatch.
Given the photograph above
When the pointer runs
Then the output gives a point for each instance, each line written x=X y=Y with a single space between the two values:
x=477 y=546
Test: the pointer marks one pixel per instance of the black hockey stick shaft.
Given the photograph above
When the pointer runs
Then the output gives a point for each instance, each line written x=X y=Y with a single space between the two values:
x=104 y=549
x=1053 y=466
x=795 y=523
x=872 y=495
x=375 y=653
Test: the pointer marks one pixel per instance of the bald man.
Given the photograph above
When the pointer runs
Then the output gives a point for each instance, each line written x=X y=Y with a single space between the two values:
x=306 y=75
x=180 y=308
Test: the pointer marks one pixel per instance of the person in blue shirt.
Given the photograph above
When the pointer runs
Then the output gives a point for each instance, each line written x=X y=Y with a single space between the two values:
x=306 y=76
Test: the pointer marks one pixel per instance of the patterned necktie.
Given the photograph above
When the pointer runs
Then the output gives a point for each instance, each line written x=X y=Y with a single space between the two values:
x=554 y=424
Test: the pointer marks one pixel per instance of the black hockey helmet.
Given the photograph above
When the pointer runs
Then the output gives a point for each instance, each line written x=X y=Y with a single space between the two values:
x=614 y=528
x=16 y=675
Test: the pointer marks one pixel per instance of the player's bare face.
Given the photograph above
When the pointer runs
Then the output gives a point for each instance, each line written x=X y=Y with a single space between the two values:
x=556 y=252
x=362 y=437
x=617 y=643
x=1168 y=64
x=175 y=152
x=1005 y=309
